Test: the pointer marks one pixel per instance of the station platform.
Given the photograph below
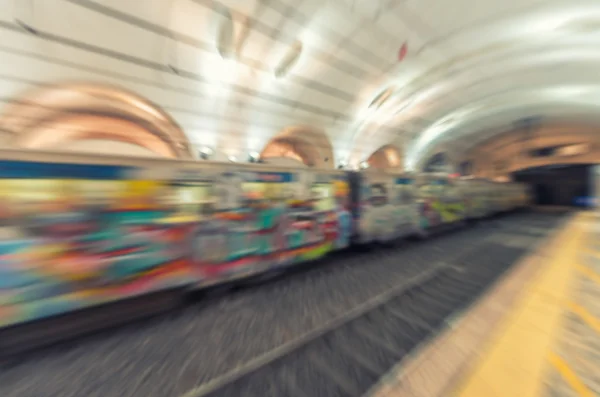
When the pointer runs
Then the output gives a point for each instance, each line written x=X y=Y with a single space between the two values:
x=536 y=333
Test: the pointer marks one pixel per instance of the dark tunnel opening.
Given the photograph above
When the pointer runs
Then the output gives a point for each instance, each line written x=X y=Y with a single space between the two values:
x=559 y=185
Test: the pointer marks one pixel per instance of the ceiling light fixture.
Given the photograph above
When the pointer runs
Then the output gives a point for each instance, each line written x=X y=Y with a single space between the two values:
x=24 y=10
x=225 y=33
x=26 y=27
x=206 y=152
x=289 y=60
x=253 y=157
x=381 y=98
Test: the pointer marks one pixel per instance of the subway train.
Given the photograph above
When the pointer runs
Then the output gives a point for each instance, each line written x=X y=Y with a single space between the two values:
x=85 y=231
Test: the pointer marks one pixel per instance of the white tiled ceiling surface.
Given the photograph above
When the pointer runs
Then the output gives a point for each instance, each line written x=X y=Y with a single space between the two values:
x=471 y=66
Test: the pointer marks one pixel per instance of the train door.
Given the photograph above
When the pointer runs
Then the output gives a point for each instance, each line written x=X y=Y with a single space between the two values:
x=377 y=212
x=488 y=194
x=480 y=195
x=405 y=209
x=439 y=199
x=492 y=196
x=467 y=192
x=342 y=210
x=209 y=198
x=454 y=201
x=472 y=194
x=427 y=198
x=279 y=205
x=330 y=192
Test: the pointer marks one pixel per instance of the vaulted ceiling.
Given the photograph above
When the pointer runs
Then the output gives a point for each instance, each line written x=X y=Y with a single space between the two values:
x=233 y=74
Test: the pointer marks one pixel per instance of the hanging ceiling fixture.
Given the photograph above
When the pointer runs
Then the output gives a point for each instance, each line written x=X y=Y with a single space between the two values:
x=25 y=10
x=205 y=153
x=253 y=157
x=381 y=98
x=289 y=60
x=225 y=32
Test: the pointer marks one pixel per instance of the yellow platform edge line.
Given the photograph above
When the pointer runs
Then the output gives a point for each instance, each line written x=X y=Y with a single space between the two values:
x=588 y=272
x=586 y=316
x=570 y=376
x=514 y=361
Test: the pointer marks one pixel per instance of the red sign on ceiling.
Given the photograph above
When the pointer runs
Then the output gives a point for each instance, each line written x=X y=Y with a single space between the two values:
x=403 y=51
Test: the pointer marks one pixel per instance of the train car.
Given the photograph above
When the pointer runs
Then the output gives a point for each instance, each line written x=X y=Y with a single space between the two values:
x=441 y=201
x=523 y=195
x=477 y=198
x=512 y=196
x=384 y=206
x=80 y=231
x=504 y=194
x=125 y=237
x=269 y=218
x=495 y=192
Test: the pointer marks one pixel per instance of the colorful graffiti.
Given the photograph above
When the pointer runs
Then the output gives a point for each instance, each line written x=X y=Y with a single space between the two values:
x=388 y=210
x=72 y=236
x=442 y=203
x=67 y=242
x=268 y=229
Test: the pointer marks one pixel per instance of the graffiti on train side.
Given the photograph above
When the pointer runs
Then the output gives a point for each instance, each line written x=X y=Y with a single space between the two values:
x=270 y=227
x=441 y=202
x=67 y=243
x=388 y=213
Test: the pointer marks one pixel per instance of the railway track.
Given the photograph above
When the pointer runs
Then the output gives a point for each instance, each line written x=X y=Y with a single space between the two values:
x=348 y=355
x=291 y=336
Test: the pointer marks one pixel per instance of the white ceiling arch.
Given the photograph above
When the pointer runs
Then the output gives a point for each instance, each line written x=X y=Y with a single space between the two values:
x=467 y=126
x=228 y=89
x=558 y=49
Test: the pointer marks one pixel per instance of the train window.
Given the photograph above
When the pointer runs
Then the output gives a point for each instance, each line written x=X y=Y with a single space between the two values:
x=194 y=199
x=365 y=192
x=379 y=195
x=409 y=196
x=428 y=190
x=403 y=196
x=268 y=191
x=101 y=192
x=324 y=196
x=399 y=189
x=61 y=194
x=451 y=190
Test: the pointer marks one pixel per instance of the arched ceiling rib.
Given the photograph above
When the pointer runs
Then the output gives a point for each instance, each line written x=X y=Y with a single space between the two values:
x=467 y=125
x=387 y=157
x=480 y=63
x=308 y=145
x=52 y=115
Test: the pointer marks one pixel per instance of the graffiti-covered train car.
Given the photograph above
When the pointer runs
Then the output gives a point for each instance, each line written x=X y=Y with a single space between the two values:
x=79 y=232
